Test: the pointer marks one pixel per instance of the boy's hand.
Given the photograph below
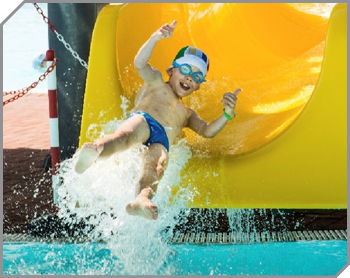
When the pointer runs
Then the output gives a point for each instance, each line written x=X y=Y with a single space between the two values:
x=229 y=99
x=165 y=31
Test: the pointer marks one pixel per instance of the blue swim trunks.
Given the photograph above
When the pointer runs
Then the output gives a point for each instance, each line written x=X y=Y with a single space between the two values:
x=157 y=131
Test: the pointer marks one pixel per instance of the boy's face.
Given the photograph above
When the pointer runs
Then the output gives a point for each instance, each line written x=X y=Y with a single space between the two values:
x=183 y=85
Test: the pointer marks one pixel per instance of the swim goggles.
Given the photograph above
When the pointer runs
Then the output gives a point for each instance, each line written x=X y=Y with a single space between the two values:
x=186 y=69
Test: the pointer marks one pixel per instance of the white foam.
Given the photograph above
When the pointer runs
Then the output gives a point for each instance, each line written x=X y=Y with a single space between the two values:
x=107 y=187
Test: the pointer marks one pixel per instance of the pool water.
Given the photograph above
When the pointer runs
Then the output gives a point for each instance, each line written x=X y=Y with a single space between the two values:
x=289 y=258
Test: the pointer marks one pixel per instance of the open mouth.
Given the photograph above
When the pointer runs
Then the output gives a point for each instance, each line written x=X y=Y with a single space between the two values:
x=184 y=86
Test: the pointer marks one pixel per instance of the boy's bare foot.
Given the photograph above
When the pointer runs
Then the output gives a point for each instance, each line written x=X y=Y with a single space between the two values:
x=143 y=206
x=88 y=154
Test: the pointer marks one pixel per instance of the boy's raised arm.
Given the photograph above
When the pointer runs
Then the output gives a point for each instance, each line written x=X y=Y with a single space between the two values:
x=144 y=69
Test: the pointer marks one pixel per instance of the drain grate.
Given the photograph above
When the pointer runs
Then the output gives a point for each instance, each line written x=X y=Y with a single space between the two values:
x=246 y=238
x=19 y=238
x=207 y=238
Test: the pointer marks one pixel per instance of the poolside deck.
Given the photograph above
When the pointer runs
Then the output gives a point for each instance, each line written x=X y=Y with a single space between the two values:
x=27 y=190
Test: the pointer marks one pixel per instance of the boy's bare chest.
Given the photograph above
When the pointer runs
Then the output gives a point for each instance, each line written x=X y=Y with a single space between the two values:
x=163 y=104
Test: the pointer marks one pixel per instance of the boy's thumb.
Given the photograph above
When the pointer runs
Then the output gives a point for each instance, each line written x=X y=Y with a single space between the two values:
x=237 y=92
x=174 y=23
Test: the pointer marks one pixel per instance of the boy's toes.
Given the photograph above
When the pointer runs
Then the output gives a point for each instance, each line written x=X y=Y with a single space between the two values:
x=154 y=210
x=128 y=208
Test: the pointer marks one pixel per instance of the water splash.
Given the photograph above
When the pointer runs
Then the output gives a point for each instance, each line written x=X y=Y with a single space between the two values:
x=99 y=197
x=246 y=225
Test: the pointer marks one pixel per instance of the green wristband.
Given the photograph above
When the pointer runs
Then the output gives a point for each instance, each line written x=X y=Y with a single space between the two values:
x=228 y=116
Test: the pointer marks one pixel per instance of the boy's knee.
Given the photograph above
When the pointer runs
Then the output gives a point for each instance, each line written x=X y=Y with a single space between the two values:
x=155 y=169
x=160 y=170
x=122 y=139
x=161 y=166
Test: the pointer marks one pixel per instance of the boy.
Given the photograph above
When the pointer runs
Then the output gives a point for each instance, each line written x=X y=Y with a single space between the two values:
x=159 y=118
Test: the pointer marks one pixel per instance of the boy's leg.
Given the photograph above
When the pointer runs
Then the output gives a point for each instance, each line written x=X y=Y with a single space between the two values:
x=154 y=159
x=133 y=130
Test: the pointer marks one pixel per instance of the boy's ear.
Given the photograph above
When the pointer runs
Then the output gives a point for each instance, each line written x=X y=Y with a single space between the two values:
x=169 y=71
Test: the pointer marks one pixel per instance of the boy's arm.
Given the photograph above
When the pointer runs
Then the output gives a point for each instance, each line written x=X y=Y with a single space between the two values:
x=210 y=130
x=144 y=69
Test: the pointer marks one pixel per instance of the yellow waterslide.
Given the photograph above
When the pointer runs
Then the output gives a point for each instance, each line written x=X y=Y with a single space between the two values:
x=287 y=146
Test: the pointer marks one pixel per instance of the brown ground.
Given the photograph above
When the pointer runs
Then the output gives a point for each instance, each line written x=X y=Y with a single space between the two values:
x=27 y=190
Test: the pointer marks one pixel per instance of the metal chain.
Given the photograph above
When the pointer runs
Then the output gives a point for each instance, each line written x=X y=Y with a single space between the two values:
x=60 y=37
x=22 y=92
x=69 y=48
x=40 y=11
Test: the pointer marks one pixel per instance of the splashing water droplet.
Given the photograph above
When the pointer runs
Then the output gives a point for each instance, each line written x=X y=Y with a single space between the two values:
x=99 y=197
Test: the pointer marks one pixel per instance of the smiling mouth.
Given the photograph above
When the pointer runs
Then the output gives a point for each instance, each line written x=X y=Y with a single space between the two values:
x=184 y=86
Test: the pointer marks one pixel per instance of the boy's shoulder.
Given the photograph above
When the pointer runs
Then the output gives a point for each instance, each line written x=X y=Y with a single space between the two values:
x=157 y=78
x=150 y=74
x=158 y=74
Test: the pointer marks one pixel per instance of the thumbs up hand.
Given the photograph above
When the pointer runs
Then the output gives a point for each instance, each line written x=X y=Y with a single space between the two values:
x=165 y=31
